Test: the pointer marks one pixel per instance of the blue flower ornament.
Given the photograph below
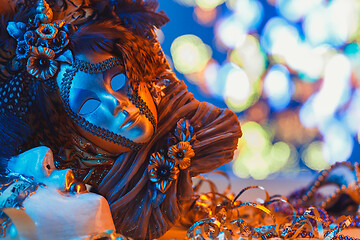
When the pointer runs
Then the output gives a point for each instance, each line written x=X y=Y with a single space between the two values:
x=41 y=43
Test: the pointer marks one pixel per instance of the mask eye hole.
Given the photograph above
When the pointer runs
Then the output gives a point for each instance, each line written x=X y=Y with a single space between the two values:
x=89 y=106
x=118 y=82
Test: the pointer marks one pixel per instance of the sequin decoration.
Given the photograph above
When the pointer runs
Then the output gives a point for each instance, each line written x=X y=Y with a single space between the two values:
x=89 y=163
x=14 y=190
x=134 y=97
x=17 y=95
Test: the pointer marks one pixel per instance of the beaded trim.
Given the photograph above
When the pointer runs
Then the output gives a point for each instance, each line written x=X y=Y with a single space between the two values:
x=98 y=131
x=141 y=104
x=94 y=68
x=321 y=179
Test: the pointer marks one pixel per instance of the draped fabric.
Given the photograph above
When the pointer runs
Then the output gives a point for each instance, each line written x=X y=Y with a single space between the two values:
x=127 y=185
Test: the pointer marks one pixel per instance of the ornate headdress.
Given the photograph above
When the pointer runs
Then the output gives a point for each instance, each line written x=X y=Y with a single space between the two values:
x=37 y=36
x=39 y=42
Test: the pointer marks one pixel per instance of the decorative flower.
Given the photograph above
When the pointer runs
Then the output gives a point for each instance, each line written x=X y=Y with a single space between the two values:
x=162 y=172
x=41 y=42
x=47 y=31
x=31 y=37
x=60 y=41
x=41 y=64
x=33 y=22
x=184 y=130
x=22 y=50
x=181 y=154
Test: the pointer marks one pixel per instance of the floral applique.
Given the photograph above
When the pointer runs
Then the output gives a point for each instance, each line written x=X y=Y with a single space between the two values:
x=165 y=165
x=162 y=172
x=41 y=64
x=40 y=41
x=47 y=30
x=181 y=154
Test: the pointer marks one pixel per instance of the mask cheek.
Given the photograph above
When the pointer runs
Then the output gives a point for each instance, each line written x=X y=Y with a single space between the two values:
x=37 y=162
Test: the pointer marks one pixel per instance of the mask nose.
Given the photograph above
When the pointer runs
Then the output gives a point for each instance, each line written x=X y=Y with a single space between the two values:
x=64 y=180
x=60 y=179
x=122 y=104
x=126 y=107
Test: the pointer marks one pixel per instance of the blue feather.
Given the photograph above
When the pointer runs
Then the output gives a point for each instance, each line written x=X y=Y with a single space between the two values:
x=140 y=15
x=13 y=133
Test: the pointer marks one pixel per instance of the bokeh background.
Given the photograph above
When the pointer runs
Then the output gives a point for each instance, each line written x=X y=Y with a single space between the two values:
x=290 y=70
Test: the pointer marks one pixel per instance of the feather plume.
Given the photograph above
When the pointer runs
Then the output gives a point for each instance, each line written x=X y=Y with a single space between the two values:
x=7 y=47
x=95 y=37
x=13 y=133
x=141 y=59
x=15 y=12
x=139 y=15
x=75 y=12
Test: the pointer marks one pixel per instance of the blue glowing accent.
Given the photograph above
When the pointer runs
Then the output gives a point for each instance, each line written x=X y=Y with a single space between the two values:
x=278 y=87
x=278 y=36
x=338 y=142
x=295 y=10
x=352 y=51
x=223 y=74
x=250 y=13
x=306 y=78
x=307 y=114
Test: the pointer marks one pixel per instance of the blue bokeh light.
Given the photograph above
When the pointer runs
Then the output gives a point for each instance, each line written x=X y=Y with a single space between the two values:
x=278 y=87
x=276 y=62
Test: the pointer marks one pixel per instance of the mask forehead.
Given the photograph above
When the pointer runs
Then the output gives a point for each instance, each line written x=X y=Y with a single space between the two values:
x=93 y=82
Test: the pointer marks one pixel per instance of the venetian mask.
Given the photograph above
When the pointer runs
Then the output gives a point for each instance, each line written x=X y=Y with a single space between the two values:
x=48 y=189
x=108 y=109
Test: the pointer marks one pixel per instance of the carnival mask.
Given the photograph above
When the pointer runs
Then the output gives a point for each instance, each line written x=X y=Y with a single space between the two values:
x=45 y=189
x=108 y=110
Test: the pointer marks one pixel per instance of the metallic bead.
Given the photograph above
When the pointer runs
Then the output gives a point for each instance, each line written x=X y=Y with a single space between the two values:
x=77 y=187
